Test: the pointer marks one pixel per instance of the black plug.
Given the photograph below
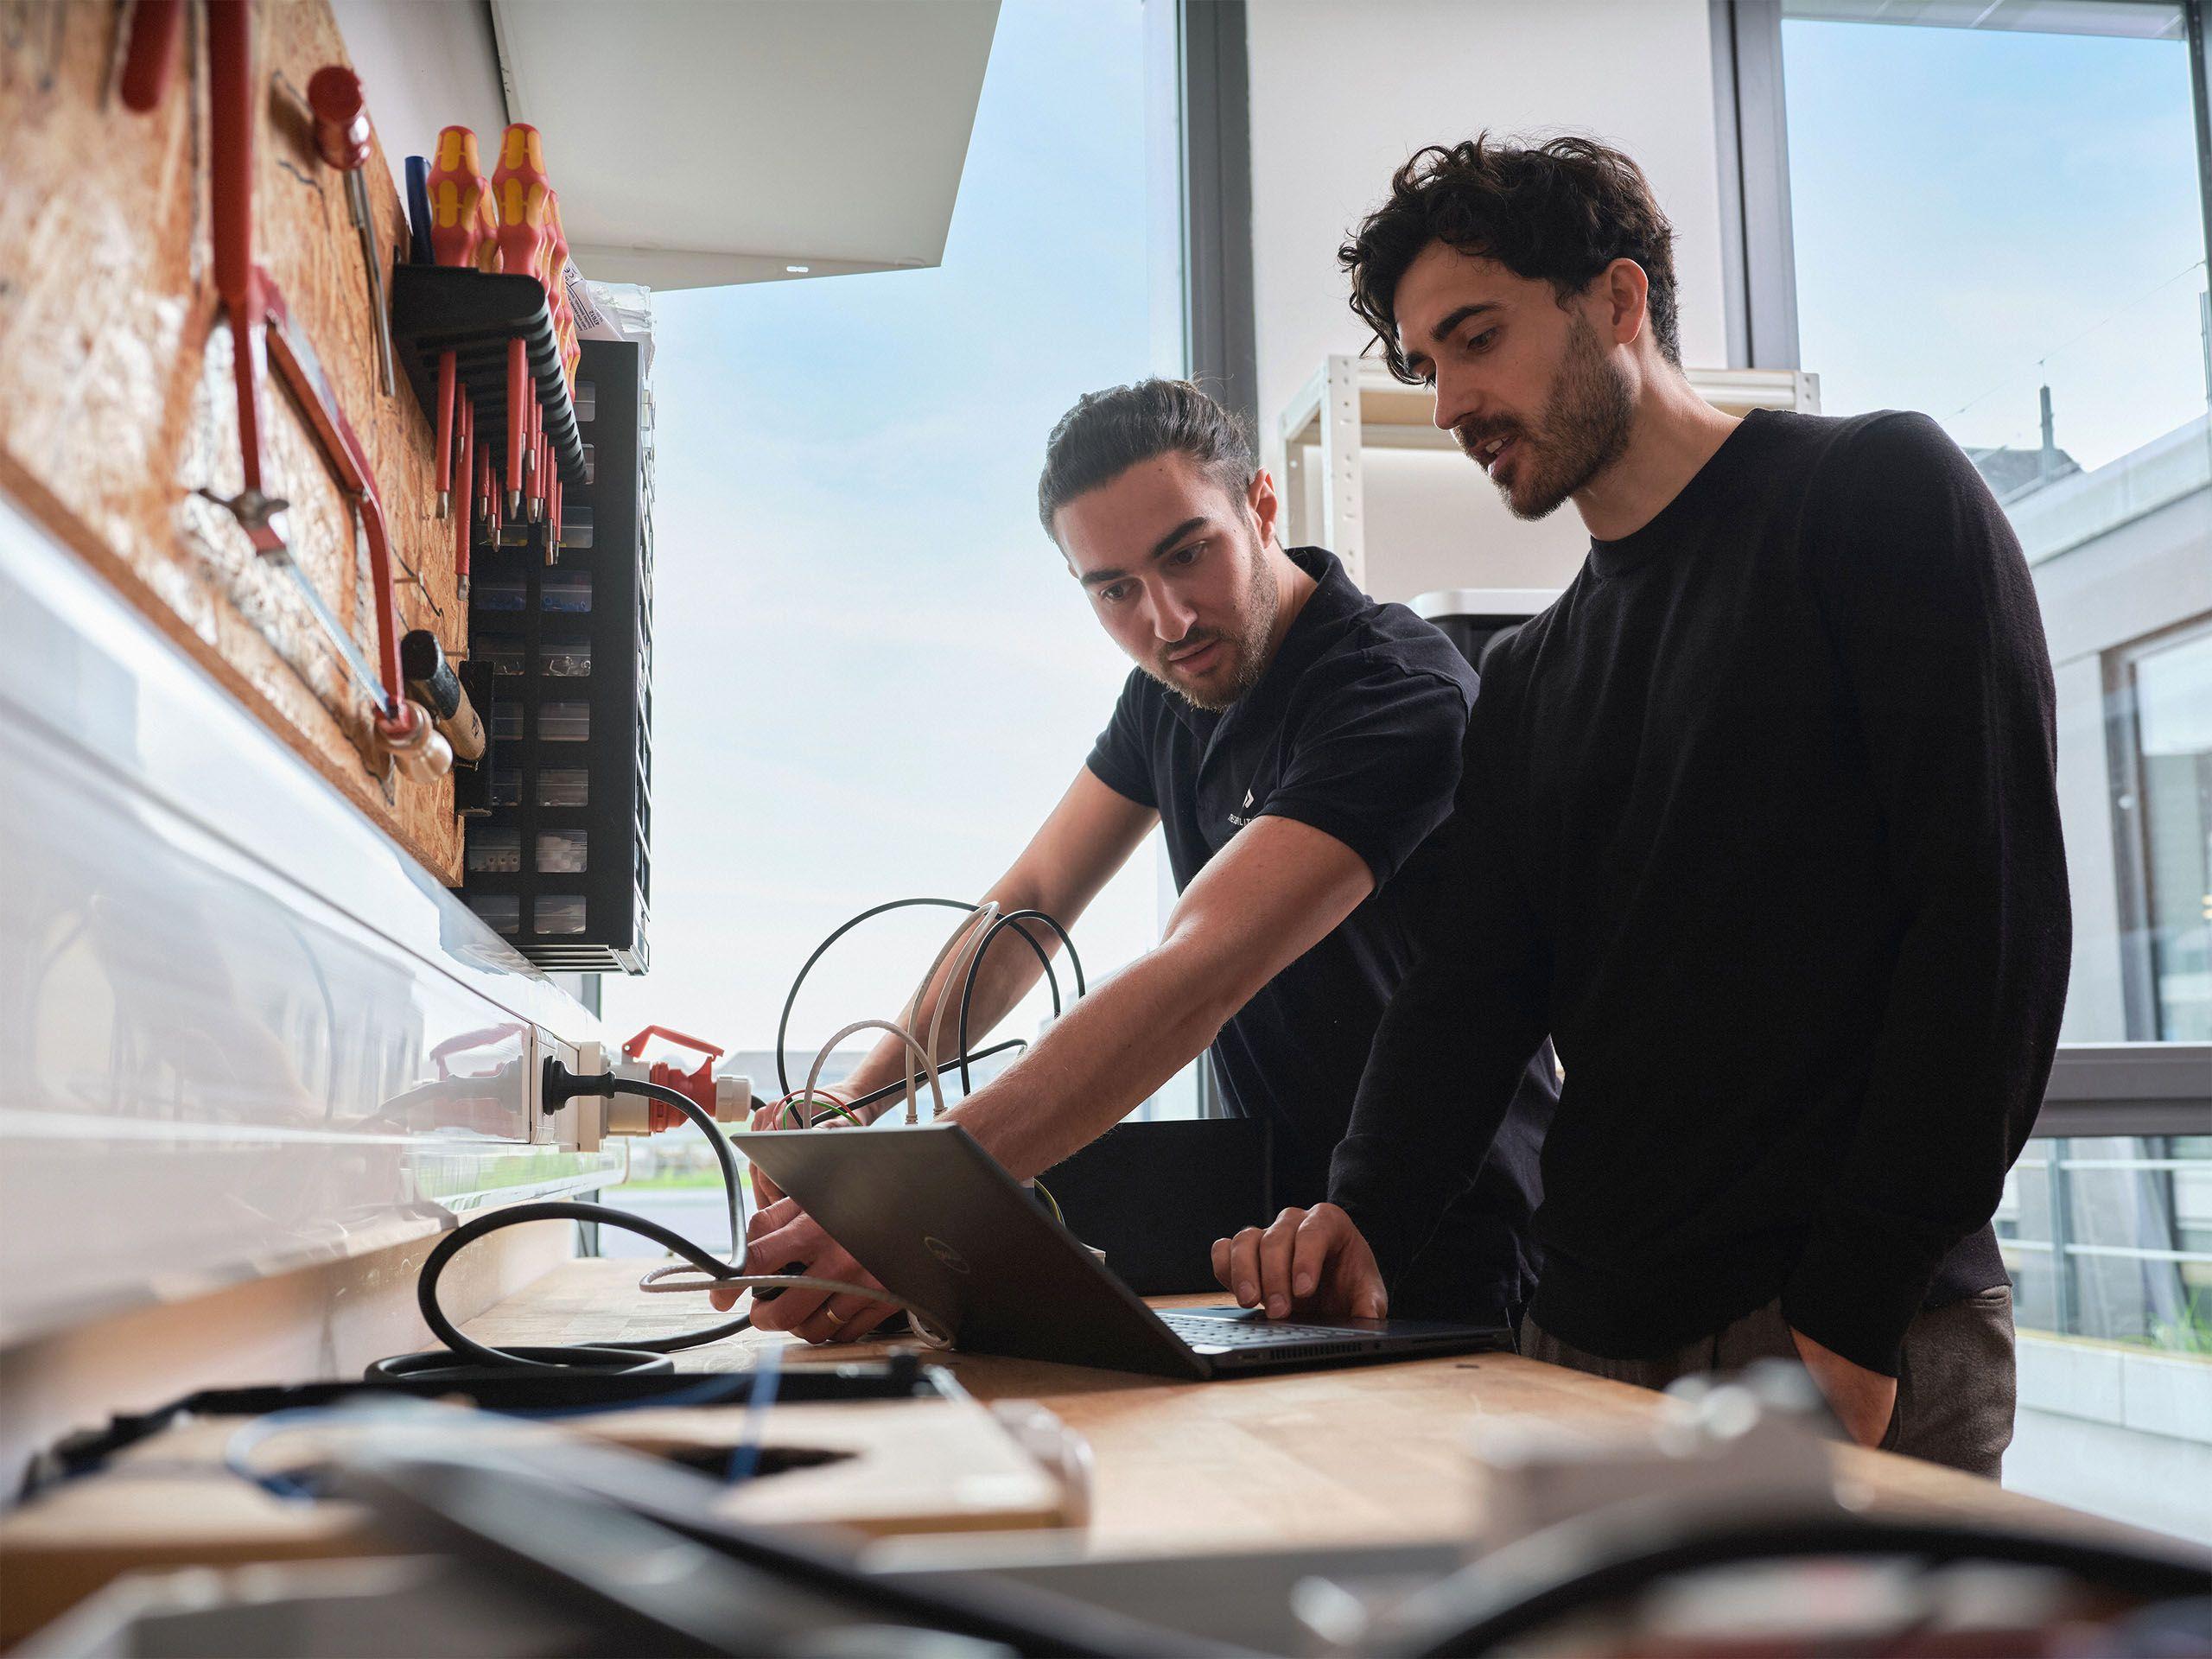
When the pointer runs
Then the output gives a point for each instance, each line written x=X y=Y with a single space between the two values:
x=562 y=1085
x=774 y=1291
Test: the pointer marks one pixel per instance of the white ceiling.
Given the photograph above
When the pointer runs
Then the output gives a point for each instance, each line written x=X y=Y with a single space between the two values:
x=702 y=142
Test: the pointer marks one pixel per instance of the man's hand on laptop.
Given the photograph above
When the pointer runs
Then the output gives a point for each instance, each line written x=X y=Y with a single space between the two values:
x=784 y=1238
x=1310 y=1263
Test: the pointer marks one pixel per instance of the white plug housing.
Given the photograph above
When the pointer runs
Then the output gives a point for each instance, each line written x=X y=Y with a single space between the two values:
x=733 y=1100
x=628 y=1113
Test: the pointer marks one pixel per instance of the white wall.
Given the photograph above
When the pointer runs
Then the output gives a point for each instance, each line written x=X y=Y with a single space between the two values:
x=1343 y=91
x=424 y=65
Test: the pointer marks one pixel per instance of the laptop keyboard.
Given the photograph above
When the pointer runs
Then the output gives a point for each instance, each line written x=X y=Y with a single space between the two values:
x=1195 y=1328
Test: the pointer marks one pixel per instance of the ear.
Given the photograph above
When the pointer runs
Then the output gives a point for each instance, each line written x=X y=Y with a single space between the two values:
x=1624 y=290
x=1259 y=501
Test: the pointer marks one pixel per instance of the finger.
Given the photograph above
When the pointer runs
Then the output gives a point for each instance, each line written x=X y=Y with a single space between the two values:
x=1316 y=1241
x=1276 y=1246
x=1369 y=1300
x=828 y=1323
x=1221 y=1262
x=1244 y=1267
x=781 y=1213
x=789 y=1311
x=862 y=1324
x=764 y=1190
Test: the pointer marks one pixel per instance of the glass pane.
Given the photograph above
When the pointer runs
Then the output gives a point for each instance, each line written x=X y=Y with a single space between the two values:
x=562 y=852
x=1999 y=224
x=564 y=723
x=564 y=786
x=568 y=662
x=824 y=533
x=565 y=590
x=2110 y=1238
x=494 y=852
x=2173 y=727
x=560 y=913
x=501 y=912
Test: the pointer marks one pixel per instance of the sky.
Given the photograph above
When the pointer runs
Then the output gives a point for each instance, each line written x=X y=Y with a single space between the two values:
x=873 y=675
x=1980 y=211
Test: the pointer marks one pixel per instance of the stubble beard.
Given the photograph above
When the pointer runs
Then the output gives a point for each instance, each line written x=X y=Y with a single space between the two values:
x=1583 y=431
x=1248 y=644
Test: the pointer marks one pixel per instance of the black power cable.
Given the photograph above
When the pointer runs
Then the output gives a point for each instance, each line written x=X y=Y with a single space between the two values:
x=464 y=1359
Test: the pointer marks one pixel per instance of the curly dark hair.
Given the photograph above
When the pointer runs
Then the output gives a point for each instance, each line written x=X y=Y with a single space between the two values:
x=1108 y=432
x=1557 y=211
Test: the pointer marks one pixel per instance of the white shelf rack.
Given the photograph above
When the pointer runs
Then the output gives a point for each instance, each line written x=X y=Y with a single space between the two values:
x=1352 y=405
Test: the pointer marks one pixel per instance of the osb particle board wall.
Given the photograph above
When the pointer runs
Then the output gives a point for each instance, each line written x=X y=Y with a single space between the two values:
x=116 y=400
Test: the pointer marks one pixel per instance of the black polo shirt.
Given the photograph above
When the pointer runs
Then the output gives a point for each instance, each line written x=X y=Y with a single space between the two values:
x=1355 y=729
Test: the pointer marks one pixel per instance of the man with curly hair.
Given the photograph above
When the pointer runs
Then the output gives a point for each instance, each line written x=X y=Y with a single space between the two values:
x=1766 y=837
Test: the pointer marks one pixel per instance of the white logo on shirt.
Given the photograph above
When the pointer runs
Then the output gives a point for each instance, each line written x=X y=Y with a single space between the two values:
x=1238 y=817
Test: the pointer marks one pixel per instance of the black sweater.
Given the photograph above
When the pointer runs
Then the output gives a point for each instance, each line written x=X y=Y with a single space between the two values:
x=1759 y=822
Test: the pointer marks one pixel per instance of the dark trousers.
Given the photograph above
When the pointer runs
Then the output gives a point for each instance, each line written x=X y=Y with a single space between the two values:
x=1956 y=1383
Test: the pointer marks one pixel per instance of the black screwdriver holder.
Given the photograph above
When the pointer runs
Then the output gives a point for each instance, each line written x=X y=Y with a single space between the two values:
x=474 y=314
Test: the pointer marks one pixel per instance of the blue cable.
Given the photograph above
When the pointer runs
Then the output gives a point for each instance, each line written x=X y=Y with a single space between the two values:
x=745 y=1457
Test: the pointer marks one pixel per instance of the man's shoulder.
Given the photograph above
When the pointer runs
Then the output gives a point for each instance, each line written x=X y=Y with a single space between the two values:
x=1855 y=452
x=1385 y=646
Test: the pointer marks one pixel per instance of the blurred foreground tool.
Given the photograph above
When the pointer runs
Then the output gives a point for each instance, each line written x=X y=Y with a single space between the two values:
x=342 y=138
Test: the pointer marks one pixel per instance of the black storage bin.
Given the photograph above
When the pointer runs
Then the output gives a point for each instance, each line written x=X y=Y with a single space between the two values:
x=560 y=865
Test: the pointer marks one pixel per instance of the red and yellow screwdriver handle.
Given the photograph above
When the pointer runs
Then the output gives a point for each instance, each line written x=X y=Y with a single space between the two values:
x=519 y=187
x=459 y=203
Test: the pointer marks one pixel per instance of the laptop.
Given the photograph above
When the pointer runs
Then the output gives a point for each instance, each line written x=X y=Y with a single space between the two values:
x=937 y=1219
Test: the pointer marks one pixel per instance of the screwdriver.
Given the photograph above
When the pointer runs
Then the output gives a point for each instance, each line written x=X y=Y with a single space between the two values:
x=342 y=138
x=463 y=525
x=457 y=193
x=518 y=189
x=431 y=681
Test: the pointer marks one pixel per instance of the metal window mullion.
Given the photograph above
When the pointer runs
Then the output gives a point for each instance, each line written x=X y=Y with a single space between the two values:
x=2062 y=1269
x=1755 y=135
x=1217 y=145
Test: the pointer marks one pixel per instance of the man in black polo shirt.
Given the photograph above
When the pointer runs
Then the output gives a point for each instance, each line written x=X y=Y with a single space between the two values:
x=1766 y=836
x=1299 y=742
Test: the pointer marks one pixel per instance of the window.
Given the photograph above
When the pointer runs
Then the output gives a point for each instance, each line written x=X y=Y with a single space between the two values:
x=874 y=675
x=1995 y=216
x=2165 y=799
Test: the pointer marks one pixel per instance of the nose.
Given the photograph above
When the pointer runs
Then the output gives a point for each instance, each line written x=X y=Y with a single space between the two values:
x=1455 y=401
x=1171 y=617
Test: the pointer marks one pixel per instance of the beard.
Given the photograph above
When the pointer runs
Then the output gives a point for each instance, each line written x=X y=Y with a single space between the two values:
x=1246 y=644
x=1582 y=431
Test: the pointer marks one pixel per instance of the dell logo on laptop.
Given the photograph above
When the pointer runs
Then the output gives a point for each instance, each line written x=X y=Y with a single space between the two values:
x=946 y=1253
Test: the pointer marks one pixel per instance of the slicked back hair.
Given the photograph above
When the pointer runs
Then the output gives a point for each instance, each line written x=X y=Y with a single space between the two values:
x=1558 y=212
x=1108 y=432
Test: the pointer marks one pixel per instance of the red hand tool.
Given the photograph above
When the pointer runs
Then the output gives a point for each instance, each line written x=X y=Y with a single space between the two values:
x=519 y=188
x=156 y=26
x=463 y=525
x=458 y=200
x=343 y=139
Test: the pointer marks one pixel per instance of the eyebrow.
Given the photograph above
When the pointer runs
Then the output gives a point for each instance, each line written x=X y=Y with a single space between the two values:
x=1161 y=550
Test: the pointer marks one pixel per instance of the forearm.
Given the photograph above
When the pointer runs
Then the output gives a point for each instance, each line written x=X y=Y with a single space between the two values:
x=1105 y=1058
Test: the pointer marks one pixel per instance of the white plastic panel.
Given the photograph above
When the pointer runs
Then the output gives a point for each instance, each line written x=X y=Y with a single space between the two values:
x=241 y=1031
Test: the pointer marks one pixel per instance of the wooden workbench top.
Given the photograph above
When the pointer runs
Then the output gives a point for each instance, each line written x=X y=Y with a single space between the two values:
x=1356 y=1455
